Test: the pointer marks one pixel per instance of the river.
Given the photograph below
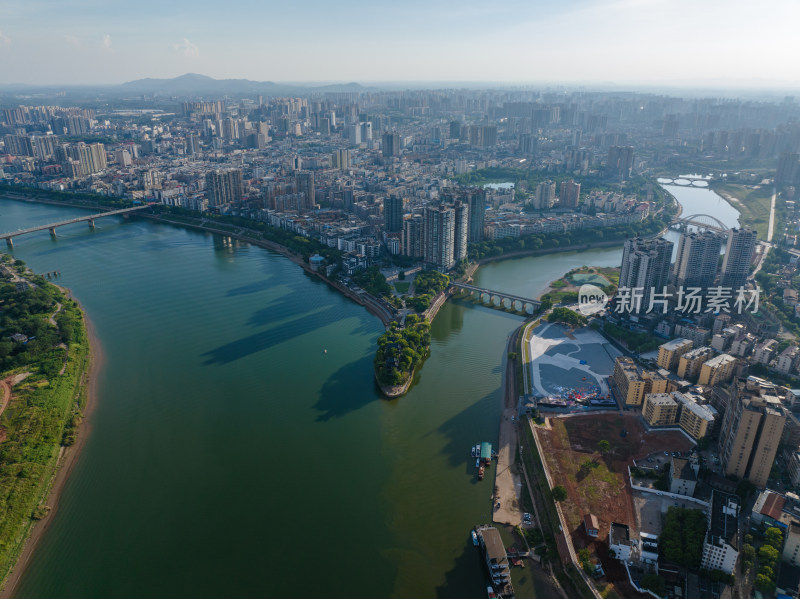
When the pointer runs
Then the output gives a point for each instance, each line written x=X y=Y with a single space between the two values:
x=231 y=455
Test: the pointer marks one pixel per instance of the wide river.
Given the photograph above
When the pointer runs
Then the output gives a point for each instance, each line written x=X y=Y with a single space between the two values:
x=230 y=455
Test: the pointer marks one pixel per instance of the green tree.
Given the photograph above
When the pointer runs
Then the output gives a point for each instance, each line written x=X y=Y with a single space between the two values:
x=654 y=583
x=603 y=446
x=768 y=555
x=559 y=493
x=764 y=584
x=774 y=537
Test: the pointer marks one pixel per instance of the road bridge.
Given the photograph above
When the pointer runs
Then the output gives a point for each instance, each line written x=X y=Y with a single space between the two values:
x=90 y=218
x=701 y=221
x=506 y=300
x=692 y=181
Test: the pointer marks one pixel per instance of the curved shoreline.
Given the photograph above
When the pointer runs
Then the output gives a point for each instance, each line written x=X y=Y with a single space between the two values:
x=67 y=459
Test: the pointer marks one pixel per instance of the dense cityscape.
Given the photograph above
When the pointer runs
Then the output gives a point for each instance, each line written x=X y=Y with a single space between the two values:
x=649 y=445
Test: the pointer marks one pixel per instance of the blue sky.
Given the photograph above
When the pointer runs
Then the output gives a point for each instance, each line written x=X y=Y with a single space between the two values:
x=108 y=41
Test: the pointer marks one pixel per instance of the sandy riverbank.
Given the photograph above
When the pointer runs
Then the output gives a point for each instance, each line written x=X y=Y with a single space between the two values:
x=67 y=459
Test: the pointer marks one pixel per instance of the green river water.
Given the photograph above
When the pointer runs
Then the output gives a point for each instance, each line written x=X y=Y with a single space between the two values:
x=230 y=456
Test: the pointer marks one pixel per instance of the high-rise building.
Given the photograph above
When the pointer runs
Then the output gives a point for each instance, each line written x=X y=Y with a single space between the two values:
x=439 y=231
x=788 y=172
x=366 y=131
x=340 y=159
x=569 y=194
x=697 y=260
x=390 y=143
x=224 y=186
x=545 y=195
x=304 y=183
x=412 y=243
x=393 y=214
x=476 y=198
x=738 y=256
x=749 y=437
x=645 y=268
x=460 y=230
x=92 y=157
x=620 y=161
x=354 y=134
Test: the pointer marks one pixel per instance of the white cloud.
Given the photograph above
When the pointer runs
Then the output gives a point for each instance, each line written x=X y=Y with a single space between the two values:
x=187 y=48
x=73 y=41
x=4 y=40
x=107 y=42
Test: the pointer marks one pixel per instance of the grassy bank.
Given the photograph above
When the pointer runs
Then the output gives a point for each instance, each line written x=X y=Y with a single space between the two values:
x=752 y=202
x=45 y=407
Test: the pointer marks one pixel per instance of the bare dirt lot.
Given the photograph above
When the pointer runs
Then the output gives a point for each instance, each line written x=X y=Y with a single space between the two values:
x=597 y=483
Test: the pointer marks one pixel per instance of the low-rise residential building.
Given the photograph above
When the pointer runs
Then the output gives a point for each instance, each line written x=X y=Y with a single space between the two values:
x=682 y=477
x=659 y=409
x=721 y=546
x=769 y=508
x=764 y=352
x=619 y=541
x=788 y=360
x=670 y=352
x=591 y=525
x=717 y=370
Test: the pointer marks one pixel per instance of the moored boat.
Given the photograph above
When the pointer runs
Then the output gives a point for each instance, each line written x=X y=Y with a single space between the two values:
x=474 y=538
x=490 y=592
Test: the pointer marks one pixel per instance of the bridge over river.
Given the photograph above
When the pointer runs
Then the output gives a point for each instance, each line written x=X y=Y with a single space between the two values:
x=506 y=300
x=9 y=237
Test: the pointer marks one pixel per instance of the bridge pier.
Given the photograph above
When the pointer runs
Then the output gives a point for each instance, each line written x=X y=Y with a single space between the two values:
x=10 y=242
x=53 y=233
x=91 y=223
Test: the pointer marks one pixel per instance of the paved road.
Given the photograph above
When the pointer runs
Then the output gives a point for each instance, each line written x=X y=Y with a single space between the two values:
x=507 y=482
x=771 y=229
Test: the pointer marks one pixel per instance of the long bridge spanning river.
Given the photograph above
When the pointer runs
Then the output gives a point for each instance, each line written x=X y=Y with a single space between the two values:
x=9 y=237
x=507 y=300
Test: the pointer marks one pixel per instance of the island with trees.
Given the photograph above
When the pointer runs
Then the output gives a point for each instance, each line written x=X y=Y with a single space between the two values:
x=400 y=351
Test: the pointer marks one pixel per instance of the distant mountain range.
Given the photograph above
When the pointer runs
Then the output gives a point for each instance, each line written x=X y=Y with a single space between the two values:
x=192 y=83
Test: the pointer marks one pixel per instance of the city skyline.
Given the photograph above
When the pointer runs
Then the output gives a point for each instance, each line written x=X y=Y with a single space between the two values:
x=589 y=41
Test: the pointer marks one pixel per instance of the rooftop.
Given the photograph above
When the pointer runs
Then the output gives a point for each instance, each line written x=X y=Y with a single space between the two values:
x=720 y=360
x=675 y=344
x=620 y=534
x=682 y=469
x=724 y=526
x=770 y=504
x=495 y=550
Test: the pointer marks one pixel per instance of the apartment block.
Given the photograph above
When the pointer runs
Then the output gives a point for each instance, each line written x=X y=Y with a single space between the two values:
x=670 y=352
x=691 y=362
x=659 y=409
x=694 y=418
x=750 y=435
x=717 y=370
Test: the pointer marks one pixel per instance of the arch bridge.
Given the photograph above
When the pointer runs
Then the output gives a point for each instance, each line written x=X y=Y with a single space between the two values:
x=498 y=299
x=693 y=181
x=703 y=221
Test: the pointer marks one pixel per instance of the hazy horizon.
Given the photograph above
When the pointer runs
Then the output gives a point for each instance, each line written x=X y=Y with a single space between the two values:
x=591 y=42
